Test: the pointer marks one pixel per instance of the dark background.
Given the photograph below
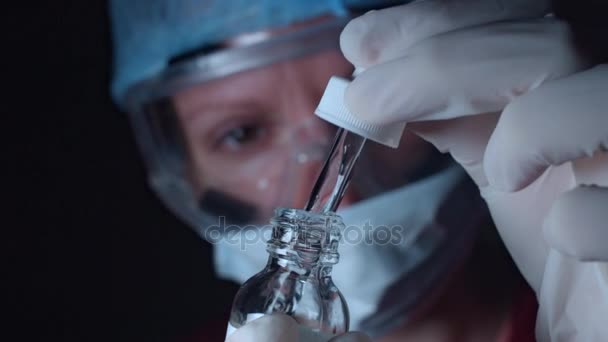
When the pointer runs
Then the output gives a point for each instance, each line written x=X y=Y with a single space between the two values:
x=92 y=253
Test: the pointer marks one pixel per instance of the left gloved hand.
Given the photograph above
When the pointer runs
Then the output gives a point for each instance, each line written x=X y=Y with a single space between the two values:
x=520 y=110
x=282 y=328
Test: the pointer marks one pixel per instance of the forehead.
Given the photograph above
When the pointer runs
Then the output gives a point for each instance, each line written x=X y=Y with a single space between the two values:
x=311 y=71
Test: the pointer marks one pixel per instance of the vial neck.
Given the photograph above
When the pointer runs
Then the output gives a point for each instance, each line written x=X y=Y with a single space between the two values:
x=282 y=263
x=304 y=242
x=300 y=250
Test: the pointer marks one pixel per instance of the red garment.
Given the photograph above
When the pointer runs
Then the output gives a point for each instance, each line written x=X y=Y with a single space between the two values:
x=520 y=326
x=211 y=331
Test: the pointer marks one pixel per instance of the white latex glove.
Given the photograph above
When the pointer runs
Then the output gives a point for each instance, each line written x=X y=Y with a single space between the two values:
x=514 y=104
x=282 y=328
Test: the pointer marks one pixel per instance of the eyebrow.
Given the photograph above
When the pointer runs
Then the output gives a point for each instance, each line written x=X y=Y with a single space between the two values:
x=193 y=112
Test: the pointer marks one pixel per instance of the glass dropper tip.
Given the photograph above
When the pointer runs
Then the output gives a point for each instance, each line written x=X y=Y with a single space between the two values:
x=335 y=174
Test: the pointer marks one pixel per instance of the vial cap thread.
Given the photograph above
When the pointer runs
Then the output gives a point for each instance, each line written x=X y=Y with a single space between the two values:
x=331 y=108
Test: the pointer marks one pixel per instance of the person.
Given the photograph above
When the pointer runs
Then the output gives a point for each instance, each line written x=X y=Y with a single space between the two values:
x=221 y=97
x=533 y=135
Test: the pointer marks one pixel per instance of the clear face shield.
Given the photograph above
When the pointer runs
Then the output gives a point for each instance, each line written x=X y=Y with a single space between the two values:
x=230 y=135
x=218 y=139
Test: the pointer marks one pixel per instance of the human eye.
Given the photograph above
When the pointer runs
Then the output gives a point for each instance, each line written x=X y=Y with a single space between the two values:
x=242 y=136
x=225 y=132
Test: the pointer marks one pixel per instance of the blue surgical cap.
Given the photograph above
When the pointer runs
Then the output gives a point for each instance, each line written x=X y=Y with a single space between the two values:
x=147 y=34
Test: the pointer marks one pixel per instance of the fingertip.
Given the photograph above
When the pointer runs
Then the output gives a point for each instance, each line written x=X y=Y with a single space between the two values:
x=358 y=42
x=278 y=319
x=350 y=40
x=511 y=159
x=496 y=171
x=274 y=327
x=505 y=175
x=382 y=95
x=575 y=225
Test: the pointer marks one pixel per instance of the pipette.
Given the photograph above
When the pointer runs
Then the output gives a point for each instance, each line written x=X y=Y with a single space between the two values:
x=336 y=172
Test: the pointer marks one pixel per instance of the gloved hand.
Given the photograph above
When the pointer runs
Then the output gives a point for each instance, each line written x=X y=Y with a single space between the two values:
x=282 y=328
x=523 y=113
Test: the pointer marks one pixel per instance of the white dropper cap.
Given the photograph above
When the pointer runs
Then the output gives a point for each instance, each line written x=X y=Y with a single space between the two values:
x=332 y=109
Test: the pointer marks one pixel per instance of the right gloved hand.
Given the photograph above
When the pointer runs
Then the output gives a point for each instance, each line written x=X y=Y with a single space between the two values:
x=505 y=91
x=282 y=328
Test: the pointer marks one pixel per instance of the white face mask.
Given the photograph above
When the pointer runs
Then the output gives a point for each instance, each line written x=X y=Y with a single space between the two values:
x=394 y=250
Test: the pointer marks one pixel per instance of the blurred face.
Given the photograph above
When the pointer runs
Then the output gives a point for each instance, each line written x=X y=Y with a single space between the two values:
x=253 y=141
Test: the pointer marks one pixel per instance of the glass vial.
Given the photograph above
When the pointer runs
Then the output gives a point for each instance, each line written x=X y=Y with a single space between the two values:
x=297 y=278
